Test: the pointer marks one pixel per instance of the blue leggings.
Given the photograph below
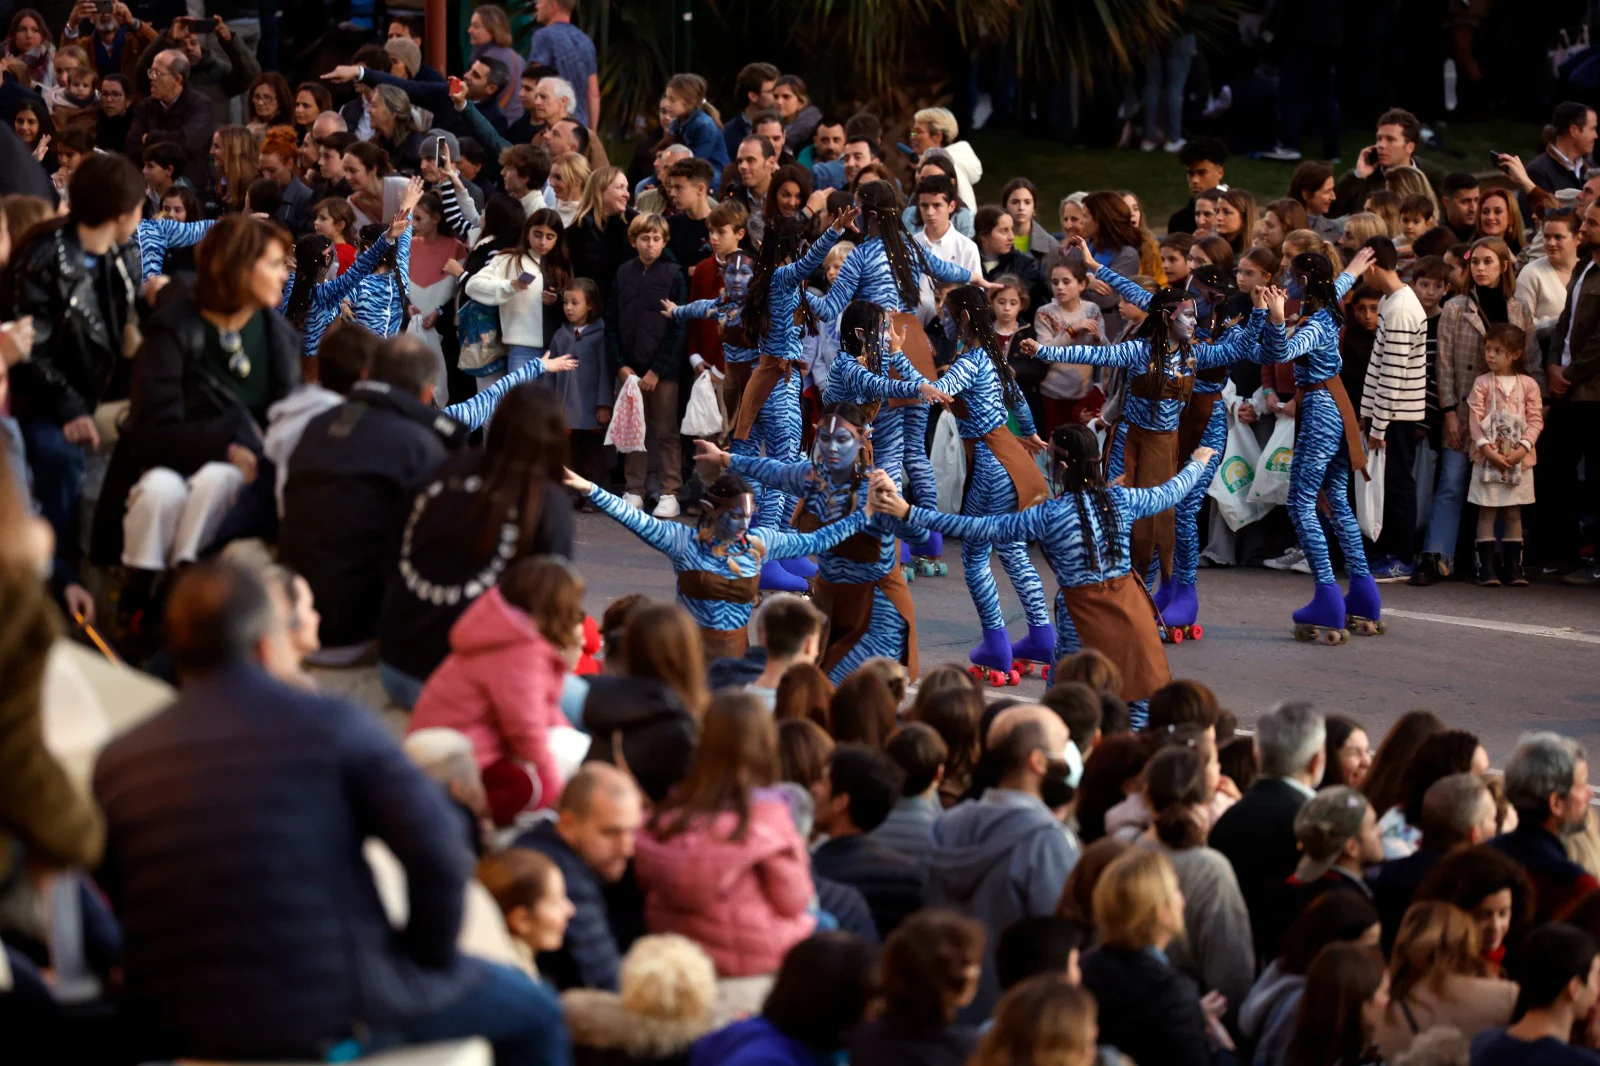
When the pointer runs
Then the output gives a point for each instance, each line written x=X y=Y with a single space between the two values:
x=918 y=467
x=1067 y=642
x=886 y=635
x=1322 y=467
x=776 y=434
x=990 y=492
x=1186 y=546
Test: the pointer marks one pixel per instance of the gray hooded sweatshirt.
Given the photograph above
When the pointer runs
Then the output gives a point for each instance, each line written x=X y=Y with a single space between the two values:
x=997 y=859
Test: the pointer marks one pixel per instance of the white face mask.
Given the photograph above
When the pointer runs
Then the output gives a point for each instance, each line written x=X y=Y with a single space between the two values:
x=1184 y=322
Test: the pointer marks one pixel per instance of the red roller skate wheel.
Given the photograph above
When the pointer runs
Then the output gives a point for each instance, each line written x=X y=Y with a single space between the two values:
x=1044 y=673
x=1176 y=634
x=1013 y=678
x=1196 y=631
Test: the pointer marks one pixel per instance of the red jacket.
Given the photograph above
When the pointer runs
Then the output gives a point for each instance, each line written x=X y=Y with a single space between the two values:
x=746 y=902
x=501 y=686
x=705 y=338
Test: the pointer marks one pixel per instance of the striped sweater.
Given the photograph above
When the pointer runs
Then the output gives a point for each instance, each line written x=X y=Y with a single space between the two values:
x=1396 y=386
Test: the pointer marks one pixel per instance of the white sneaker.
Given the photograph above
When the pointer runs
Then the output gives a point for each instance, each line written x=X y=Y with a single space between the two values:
x=1301 y=565
x=666 y=507
x=1147 y=145
x=636 y=502
x=1288 y=560
x=1173 y=147
x=1281 y=154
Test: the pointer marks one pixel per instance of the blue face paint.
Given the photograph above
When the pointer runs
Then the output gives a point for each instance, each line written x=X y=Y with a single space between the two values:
x=732 y=520
x=736 y=275
x=837 y=445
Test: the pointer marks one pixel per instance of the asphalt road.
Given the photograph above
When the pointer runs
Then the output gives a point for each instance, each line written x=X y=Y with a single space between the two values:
x=1495 y=661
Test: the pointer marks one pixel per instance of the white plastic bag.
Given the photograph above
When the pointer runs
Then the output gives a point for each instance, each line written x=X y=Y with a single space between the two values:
x=949 y=463
x=1272 y=473
x=703 y=416
x=1369 y=493
x=1236 y=474
x=626 y=432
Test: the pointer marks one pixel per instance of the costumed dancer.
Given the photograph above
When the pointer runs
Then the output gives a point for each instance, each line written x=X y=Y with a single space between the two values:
x=769 y=417
x=1002 y=478
x=858 y=585
x=1084 y=532
x=719 y=563
x=158 y=236
x=1327 y=446
x=1161 y=364
x=887 y=268
x=379 y=301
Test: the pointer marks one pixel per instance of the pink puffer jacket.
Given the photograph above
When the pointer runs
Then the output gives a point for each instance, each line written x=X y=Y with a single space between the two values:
x=501 y=686
x=745 y=902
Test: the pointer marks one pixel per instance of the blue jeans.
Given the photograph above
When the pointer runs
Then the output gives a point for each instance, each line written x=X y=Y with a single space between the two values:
x=520 y=355
x=399 y=686
x=520 y=1017
x=1306 y=76
x=1165 y=75
x=58 y=468
x=1449 y=495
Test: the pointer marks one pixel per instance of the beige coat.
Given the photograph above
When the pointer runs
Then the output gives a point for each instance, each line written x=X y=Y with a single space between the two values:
x=1470 y=1004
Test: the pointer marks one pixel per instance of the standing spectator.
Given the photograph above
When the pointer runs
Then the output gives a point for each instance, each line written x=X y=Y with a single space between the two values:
x=1559 y=982
x=233 y=741
x=935 y=127
x=28 y=40
x=489 y=32
x=1311 y=41
x=1436 y=977
x=179 y=112
x=929 y=973
x=1542 y=284
x=800 y=116
x=935 y=200
x=1005 y=855
x=864 y=785
x=695 y=124
x=1203 y=159
x=921 y=754
x=1459 y=195
x=592 y=841
x=753 y=89
x=116 y=38
x=558 y=43
x=598 y=237
x=1313 y=186
x=1021 y=201
x=1395 y=391
x=277 y=162
x=1573 y=426
x=1395 y=145
x=1257 y=834
x=219 y=70
x=1166 y=72
x=1567 y=155
x=1547 y=782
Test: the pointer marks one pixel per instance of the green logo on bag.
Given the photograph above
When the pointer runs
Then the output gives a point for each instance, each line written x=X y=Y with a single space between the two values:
x=1278 y=462
x=1236 y=475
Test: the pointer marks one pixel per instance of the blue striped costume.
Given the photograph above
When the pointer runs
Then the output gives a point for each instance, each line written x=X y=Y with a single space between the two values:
x=157 y=236
x=689 y=551
x=728 y=314
x=990 y=491
x=475 y=411
x=777 y=432
x=380 y=299
x=849 y=381
x=1321 y=465
x=1056 y=526
x=325 y=296
x=889 y=634
x=865 y=275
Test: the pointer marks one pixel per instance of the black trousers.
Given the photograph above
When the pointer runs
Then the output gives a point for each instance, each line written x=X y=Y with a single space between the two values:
x=1571 y=434
x=1399 y=535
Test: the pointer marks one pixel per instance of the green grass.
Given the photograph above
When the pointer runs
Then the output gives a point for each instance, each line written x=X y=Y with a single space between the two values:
x=1157 y=179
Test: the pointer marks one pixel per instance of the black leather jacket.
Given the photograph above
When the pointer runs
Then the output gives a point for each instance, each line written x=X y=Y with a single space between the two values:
x=75 y=350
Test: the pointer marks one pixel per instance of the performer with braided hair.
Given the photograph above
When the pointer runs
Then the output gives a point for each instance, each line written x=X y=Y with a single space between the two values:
x=769 y=416
x=719 y=563
x=888 y=268
x=858 y=584
x=1327 y=446
x=1084 y=532
x=1001 y=478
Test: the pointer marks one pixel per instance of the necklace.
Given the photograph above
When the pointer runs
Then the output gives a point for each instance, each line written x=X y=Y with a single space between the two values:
x=233 y=346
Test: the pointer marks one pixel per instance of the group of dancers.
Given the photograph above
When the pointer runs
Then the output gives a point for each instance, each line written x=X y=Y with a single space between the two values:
x=1114 y=521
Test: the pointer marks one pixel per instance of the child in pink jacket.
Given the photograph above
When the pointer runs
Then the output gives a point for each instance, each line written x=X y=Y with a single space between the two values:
x=1504 y=419
x=501 y=683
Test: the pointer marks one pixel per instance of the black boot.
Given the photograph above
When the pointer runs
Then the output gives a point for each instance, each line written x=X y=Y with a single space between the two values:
x=1487 y=576
x=1513 y=564
x=1426 y=571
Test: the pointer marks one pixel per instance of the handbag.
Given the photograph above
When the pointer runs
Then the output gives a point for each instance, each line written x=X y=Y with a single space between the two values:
x=479 y=328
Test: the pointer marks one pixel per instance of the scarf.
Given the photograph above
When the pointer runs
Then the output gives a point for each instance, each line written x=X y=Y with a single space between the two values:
x=1492 y=302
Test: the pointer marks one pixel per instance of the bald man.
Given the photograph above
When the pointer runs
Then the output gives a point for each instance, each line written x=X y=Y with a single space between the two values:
x=592 y=841
x=1005 y=855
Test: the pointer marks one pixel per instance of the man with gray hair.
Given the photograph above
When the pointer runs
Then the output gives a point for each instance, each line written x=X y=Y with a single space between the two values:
x=1457 y=811
x=1257 y=833
x=1547 y=782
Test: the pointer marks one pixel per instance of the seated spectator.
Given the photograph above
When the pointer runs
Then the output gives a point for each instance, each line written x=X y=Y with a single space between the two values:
x=1148 y=1010
x=950 y=702
x=1547 y=781
x=666 y=1002
x=790 y=629
x=920 y=753
x=1490 y=887
x=930 y=971
x=592 y=841
x=720 y=860
x=804 y=750
x=344 y=358
x=864 y=784
x=1005 y=855
x=352 y=481
x=1451 y=751
x=823 y=990
x=237 y=744
x=1559 y=982
x=1110 y=777
x=532 y=896
x=1076 y=904
x=1338 y=837
x=1346 y=993
x=501 y=683
x=1133 y=815
x=1386 y=780
x=1457 y=811
x=1349 y=753
x=1044 y=1019
x=1436 y=977
x=863 y=709
x=804 y=691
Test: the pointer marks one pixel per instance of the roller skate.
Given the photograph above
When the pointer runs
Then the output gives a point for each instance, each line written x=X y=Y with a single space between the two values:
x=1178 y=616
x=1163 y=595
x=1034 y=650
x=991 y=660
x=800 y=567
x=931 y=564
x=1322 y=620
x=908 y=568
x=775 y=578
x=1361 y=607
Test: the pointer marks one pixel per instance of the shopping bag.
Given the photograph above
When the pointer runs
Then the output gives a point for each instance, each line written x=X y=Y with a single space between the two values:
x=703 y=417
x=949 y=459
x=1272 y=473
x=626 y=432
x=1236 y=475
x=1369 y=493
x=1426 y=471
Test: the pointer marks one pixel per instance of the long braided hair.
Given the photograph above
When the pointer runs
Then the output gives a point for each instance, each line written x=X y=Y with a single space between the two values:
x=1315 y=273
x=880 y=217
x=975 y=324
x=1157 y=326
x=1075 y=456
x=783 y=242
x=311 y=256
x=869 y=318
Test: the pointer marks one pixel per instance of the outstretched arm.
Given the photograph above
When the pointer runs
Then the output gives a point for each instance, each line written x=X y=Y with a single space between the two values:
x=790 y=477
x=1142 y=503
x=1027 y=524
x=1125 y=288
x=1129 y=355
x=796 y=273
x=669 y=538
x=329 y=293
x=844 y=288
x=694 y=309
x=1236 y=344
x=794 y=545
x=857 y=380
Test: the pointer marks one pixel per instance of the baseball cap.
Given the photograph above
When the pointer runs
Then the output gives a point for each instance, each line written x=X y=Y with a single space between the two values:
x=1329 y=819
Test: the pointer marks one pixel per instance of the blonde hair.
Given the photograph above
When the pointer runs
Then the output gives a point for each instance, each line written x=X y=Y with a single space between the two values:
x=1436 y=940
x=836 y=255
x=1386 y=205
x=1130 y=897
x=940 y=119
x=1042 y=1019
x=691 y=89
x=1513 y=217
x=593 y=190
x=1508 y=263
x=647 y=223
x=494 y=19
x=1298 y=241
x=1363 y=225
x=665 y=975
x=572 y=170
x=1409 y=181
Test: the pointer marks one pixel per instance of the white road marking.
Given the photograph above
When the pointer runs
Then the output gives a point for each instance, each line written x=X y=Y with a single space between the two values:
x=1552 y=632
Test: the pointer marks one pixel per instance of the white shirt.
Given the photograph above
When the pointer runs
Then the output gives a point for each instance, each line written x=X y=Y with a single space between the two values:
x=953 y=247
